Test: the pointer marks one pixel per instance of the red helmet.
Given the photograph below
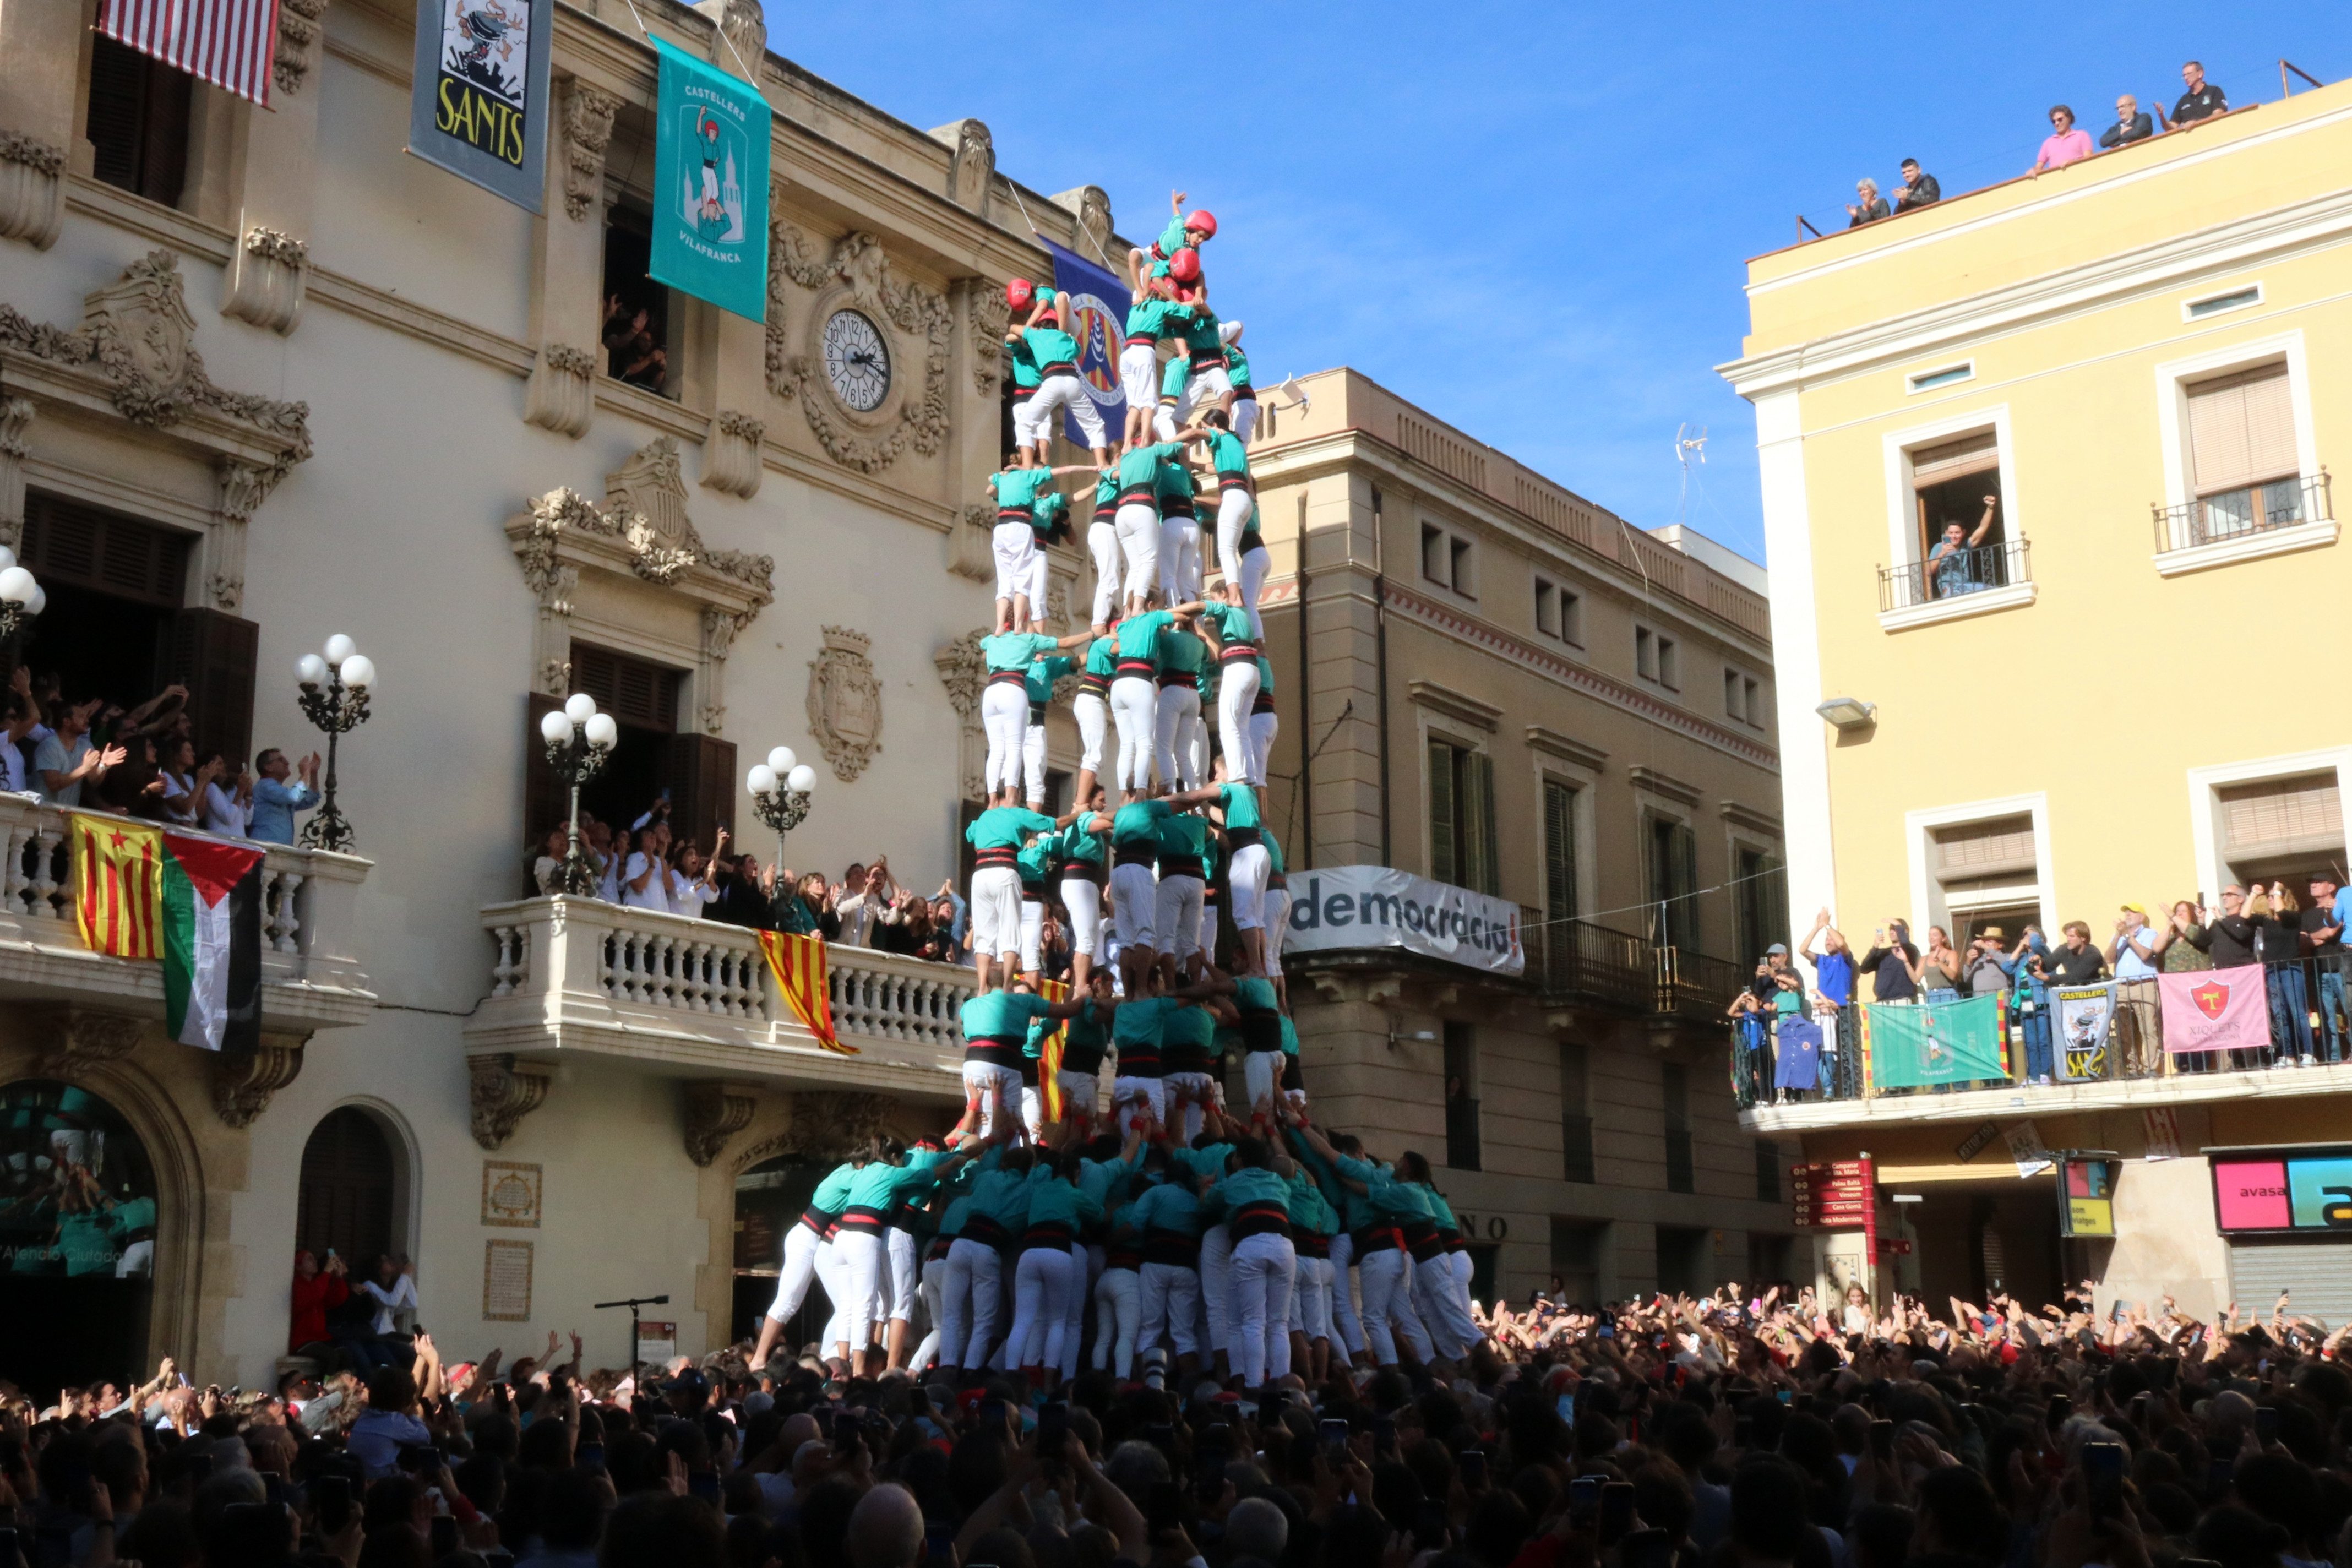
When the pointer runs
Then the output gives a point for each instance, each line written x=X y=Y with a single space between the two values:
x=1185 y=266
x=1202 y=223
x=1019 y=293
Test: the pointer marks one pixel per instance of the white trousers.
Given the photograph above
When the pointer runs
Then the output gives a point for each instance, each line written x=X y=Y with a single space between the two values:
x=1033 y=764
x=1132 y=1097
x=1041 y=1306
x=1016 y=547
x=933 y=1294
x=1177 y=706
x=1102 y=549
x=1349 y=1327
x=1196 y=1089
x=1192 y=748
x=1056 y=392
x=1310 y=1311
x=1233 y=507
x=1084 y=1264
x=1261 y=1075
x=1385 y=1275
x=1263 y=727
x=1205 y=388
x=898 y=1248
x=835 y=1279
x=1134 y=904
x=1139 y=373
x=1004 y=717
x=995 y=910
x=1119 y=1316
x=1137 y=526
x=979 y=1080
x=1245 y=414
x=975 y=1277
x=1083 y=899
x=1217 y=1285
x=1176 y=915
x=1236 y=693
x=1093 y=714
x=1179 y=560
x=799 y=1268
x=1277 y=927
x=1245 y=879
x=1032 y=933
x=1135 y=708
x=1263 y=1268
x=861 y=1274
x=1170 y=1295
x=1405 y=1319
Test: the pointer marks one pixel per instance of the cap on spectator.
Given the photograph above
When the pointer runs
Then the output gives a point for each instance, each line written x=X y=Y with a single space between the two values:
x=1994 y=933
x=1782 y=948
x=2139 y=910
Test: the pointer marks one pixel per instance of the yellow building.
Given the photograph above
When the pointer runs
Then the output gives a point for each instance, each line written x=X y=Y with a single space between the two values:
x=2123 y=693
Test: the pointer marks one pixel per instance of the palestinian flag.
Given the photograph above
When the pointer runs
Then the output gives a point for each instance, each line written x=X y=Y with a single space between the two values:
x=193 y=903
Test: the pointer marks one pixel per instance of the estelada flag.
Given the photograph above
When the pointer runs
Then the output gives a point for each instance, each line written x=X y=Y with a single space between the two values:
x=1049 y=1049
x=191 y=902
x=798 y=964
x=2215 y=1010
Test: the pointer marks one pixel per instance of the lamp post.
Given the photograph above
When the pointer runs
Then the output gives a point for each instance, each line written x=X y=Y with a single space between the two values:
x=334 y=698
x=21 y=599
x=578 y=739
x=779 y=793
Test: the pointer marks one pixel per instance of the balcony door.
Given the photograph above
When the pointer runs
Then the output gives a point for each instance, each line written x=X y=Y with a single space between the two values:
x=653 y=760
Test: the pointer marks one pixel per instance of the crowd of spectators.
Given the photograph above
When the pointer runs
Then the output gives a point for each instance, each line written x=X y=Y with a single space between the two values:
x=2067 y=144
x=1745 y=1428
x=89 y=754
x=2303 y=943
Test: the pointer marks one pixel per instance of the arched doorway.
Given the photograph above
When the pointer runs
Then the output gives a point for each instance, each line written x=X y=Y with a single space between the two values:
x=77 y=1238
x=769 y=1200
x=350 y=1190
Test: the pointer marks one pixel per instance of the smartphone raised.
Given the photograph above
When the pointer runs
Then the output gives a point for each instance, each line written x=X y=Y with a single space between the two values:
x=2102 y=1473
x=1333 y=1431
x=1616 y=1511
x=445 y=1536
x=939 y=1544
x=1052 y=1429
x=331 y=1495
x=1472 y=1465
x=1584 y=1500
x=2266 y=1422
x=1164 y=1508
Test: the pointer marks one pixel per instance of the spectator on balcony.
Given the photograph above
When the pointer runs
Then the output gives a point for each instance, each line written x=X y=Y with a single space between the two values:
x=1889 y=963
x=317 y=1292
x=1870 y=209
x=22 y=717
x=861 y=898
x=647 y=880
x=137 y=787
x=1833 y=965
x=2032 y=1002
x=804 y=905
x=393 y=1291
x=2136 y=953
x=2182 y=941
x=1936 y=972
x=182 y=798
x=2075 y=960
x=228 y=807
x=274 y=802
x=1987 y=971
x=2278 y=943
x=694 y=885
x=2065 y=144
x=1918 y=188
x=2132 y=123
x=2324 y=927
x=547 y=871
x=746 y=894
x=1953 y=566
x=609 y=850
x=67 y=760
x=2201 y=101
x=2137 y=945
x=1748 y=1021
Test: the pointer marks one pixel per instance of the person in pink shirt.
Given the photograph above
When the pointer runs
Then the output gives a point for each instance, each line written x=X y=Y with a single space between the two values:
x=2065 y=144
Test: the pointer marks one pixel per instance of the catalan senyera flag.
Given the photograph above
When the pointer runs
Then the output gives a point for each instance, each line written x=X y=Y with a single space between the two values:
x=228 y=43
x=1049 y=1051
x=798 y=964
x=191 y=902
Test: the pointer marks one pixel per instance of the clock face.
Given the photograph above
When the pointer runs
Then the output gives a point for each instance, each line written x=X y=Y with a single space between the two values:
x=856 y=361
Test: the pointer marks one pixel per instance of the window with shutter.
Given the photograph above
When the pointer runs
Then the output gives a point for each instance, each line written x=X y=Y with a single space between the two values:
x=124 y=557
x=138 y=121
x=347 y=1185
x=2281 y=817
x=1484 y=871
x=214 y=655
x=632 y=690
x=1575 y=1113
x=701 y=773
x=1559 y=852
x=1443 y=814
x=1674 y=879
x=2241 y=429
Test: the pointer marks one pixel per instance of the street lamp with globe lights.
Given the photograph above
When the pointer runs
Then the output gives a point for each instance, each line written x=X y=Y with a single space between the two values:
x=779 y=793
x=334 y=698
x=578 y=739
x=21 y=598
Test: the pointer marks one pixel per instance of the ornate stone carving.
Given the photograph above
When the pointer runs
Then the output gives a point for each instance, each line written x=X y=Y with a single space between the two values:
x=298 y=29
x=562 y=393
x=845 y=703
x=648 y=494
x=858 y=271
x=15 y=413
x=77 y=1040
x=1091 y=206
x=964 y=672
x=972 y=170
x=741 y=39
x=588 y=113
x=716 y=1111
x=970 y=552
x=504 y=1091
x=32 y=174
x=731 y=454
x=831 y=1124
x=138 y=337
x=987 y=316
x=243 y=1081
x=555 y=677
x=267 y=276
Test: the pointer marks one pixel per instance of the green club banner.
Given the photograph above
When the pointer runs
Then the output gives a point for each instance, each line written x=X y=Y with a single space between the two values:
x=711 y=185
x=1941 y=1042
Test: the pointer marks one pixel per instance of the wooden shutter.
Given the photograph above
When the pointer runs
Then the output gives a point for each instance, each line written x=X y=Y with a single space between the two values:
x=2281 y=817
x=345 y=1197
x=2003 y=844
x=546 y=798
x=2241 y=429
x=1976 y=453
x=700 y=771
x=632 y=690
x=1683 y=871
x=1559 y=852
x=138 y=121
x=1478 y=822
x=213 y=655
x=1443 y=814
x=127 y=557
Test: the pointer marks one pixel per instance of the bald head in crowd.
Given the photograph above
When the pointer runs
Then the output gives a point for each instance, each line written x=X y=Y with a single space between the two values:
x=1255 y=1528
x=886 y=1528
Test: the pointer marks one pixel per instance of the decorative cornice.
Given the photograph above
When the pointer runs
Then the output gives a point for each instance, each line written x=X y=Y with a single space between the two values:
x=503 y=1093
x=1665 y=785
x=74 y=1041
x=31 y=178
x=1741 y=814
x=588 y=112
x=962 y=671
x=1566 y=748
x=267 y=278
x=1456 y=704
x=243 y=1081
x=714 y=1112
x=298 y=29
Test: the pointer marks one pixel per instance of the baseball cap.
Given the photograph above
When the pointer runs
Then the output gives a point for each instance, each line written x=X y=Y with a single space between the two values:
x=2139 y=910
x=1779 y=947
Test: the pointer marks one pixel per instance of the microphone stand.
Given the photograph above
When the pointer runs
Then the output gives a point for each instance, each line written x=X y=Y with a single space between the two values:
x=633 y=1303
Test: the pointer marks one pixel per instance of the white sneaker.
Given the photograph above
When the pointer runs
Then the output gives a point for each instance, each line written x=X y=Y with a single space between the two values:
x=2309 y=1060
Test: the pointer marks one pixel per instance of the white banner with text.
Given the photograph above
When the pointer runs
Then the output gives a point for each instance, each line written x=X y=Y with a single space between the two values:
x=1342 y=908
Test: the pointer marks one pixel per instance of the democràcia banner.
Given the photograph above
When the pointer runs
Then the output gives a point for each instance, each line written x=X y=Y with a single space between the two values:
x=478 y=106
x=1939 y=1042
x=711 y=185
x=1347 y=908
x=2215 y=1010
x=1098 y=306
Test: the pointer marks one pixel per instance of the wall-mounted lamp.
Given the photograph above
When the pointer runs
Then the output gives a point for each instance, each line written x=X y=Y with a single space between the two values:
x=1848 y=712
x=1424 y=1035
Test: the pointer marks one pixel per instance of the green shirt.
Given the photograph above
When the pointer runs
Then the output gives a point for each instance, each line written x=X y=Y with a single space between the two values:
x=1102 y=657
x=1190 y=1025
x=1147 y=317
x=1289 y=1036
x=1107 y=490
x=1051 y=346
x=1025 y=365
x=1001 y=1014
x=1017 y=488
x=1037 y=859
x=1227 y=454
x=1075 y=843
x=1138 y=636
x=1255 y=993
x=1139 y=822
x=1232 y=621
x=1265 y=676
x=1171 y=238
x=1043 y=673
x=1181 y=652
x=1048 y=512
x=1175 y=483
x=1273 y=847
x=1183 y=835
x=1005 y=826
x=1200 y=335
x=1241 y=805
x=1237 y=370
x=1172 y=377
x=1139 y=469
x=1013 y=650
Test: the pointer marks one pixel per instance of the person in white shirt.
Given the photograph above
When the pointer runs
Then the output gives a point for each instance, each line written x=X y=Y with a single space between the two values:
x=696 y=884
x=183 y=782
x=67 y=758
x=864 y=896
x=394 y=1290
x=225 y=810
x=646 y=881
x=22 y=716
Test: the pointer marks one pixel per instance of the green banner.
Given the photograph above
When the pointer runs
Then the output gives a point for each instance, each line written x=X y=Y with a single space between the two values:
x=1945 y=1042
x=711 y=185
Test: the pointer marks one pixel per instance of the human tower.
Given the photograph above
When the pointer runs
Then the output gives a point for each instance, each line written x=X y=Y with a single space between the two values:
x=1237 y=1240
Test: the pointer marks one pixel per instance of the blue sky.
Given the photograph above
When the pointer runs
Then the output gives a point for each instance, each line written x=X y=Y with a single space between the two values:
x=1531 y=219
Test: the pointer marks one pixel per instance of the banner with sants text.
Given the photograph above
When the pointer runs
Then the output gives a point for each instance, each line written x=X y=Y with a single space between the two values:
x=1916 y=1047
x=478 y=103
x=2085 y=1017
x=2215 y=1010
x=711 y=185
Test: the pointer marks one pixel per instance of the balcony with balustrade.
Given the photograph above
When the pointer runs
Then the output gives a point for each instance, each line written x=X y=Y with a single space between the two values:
x=311 y=972
x=577 y=979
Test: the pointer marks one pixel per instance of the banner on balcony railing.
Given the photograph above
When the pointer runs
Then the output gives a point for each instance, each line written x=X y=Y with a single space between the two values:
x=798 y=962
x=2086 y=1015
x=1938 y=1043
x=1797 y=1055
x=2217 y=1010
x=1343 y=908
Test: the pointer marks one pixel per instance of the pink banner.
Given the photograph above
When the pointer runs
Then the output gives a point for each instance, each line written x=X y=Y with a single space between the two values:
x=2215 y=1010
